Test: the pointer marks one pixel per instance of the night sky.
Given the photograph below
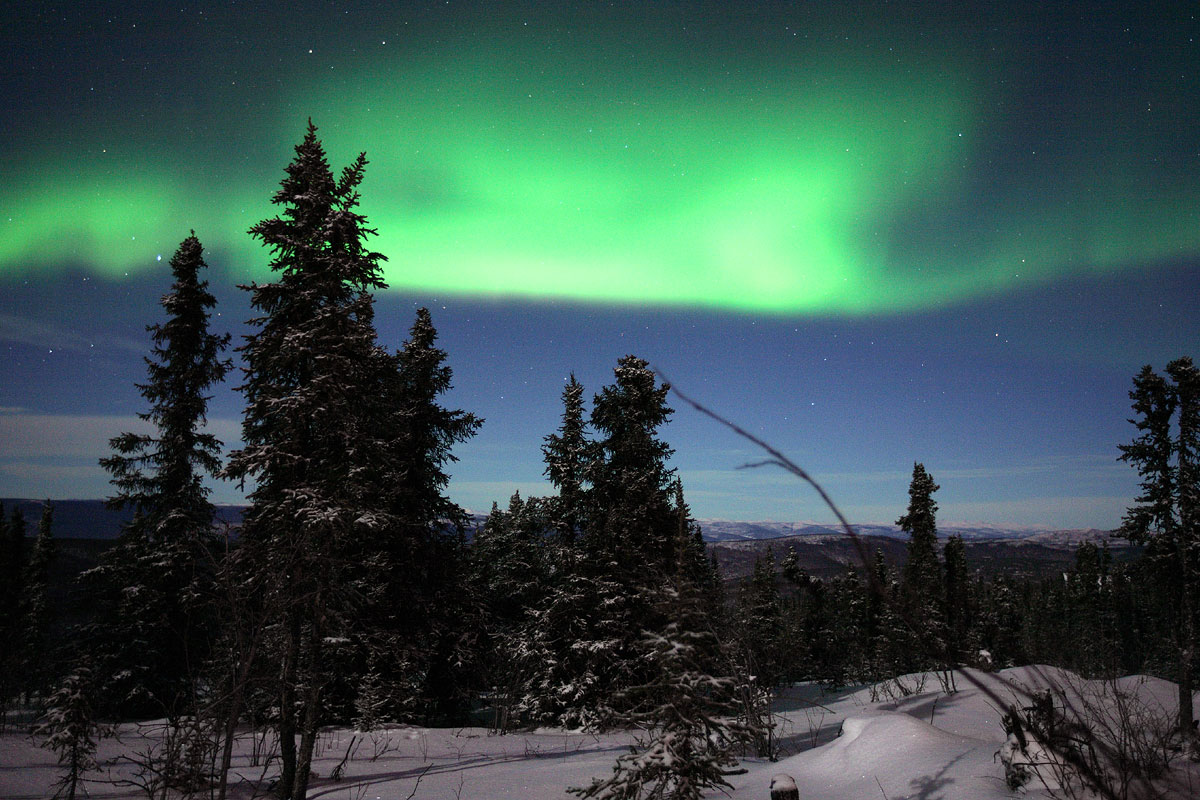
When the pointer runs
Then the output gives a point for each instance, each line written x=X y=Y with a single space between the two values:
x=871 y=234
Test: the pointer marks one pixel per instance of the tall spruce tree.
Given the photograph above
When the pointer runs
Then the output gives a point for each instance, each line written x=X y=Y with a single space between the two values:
x=632 y=522
x=422 y=451
x=316 y=431
x=420 y=558
x=581 y=645
x=161 y=475
x=562 y=650
x=1166 y=516
x=154 y=627
x=347 y=448
x=921 y=587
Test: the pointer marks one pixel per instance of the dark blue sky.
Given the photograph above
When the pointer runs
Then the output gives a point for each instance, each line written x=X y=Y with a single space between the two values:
x=870 y=235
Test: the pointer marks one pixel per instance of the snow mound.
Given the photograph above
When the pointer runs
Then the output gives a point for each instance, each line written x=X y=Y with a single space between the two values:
x=894 y=751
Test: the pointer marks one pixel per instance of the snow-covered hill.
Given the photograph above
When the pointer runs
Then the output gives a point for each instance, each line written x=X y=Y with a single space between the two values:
x=902 y=740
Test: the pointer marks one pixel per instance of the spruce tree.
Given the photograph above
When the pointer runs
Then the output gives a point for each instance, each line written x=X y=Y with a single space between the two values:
x=161 y=475
x=35 y=655
x=699 y=567
x=69 y=728
x=891 y=641
x=760 y=623
x=843 y=635
x=1166 y=516
x=958 y=600
x=560 y=648
x=508 y=559
x=567 y=454
x=632 y=525
x=421 y=557
x=687 y=709
x=687 y=715
x=631 y=519
x=153 y=585
x=422 y=451
x=921 y=587
x=317 y=431
x=511 y=576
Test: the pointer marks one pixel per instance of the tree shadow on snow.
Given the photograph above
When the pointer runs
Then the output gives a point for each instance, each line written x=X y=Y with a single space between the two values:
x=925 y=707
x=326 y=788
x=927 y=787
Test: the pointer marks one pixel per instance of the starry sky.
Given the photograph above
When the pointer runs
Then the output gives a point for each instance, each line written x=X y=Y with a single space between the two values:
x=871 y=233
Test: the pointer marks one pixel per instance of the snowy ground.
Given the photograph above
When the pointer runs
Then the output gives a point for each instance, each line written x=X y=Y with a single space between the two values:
x=860 y=743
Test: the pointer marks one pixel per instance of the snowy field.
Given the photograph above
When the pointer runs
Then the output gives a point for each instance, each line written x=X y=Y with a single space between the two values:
x=861 y=743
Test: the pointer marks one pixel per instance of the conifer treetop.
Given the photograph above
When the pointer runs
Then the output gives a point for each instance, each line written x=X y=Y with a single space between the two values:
x=921 y=517
x=161 y=474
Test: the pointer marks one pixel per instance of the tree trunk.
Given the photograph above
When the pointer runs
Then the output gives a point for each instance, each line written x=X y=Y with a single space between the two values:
x=1186 y=717
x=312 y=703
x=1186 y=653
x=308 y=739
x=287 y=708
x=235 y=710
x=237 y=693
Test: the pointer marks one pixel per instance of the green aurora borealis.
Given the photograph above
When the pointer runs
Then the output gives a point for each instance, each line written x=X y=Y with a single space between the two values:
x=631 y=164
x=872 y=232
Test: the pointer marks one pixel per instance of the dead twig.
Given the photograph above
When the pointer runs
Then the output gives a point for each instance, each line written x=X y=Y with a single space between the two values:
x=416 y=785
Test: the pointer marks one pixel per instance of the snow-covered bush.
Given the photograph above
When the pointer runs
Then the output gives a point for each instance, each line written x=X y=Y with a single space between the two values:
x=689 y=720
x=1087 y=735
x=69 y=728
x=1045 y=743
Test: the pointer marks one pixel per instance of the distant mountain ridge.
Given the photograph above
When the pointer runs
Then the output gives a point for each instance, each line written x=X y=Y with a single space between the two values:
x=719 y=530
x=89 y=519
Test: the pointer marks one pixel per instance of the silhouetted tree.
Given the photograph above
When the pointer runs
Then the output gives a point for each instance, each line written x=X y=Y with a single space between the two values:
x=421 y=556
x=921 y=587
x=320 y=424
x=631 y=520
x=567 y=454
x=1166 y=454
x=958 y=600
x=35 y=658
x=154 y=627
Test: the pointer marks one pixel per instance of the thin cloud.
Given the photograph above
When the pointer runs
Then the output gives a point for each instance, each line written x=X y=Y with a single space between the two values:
x=17 y=329
x=39 y=436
